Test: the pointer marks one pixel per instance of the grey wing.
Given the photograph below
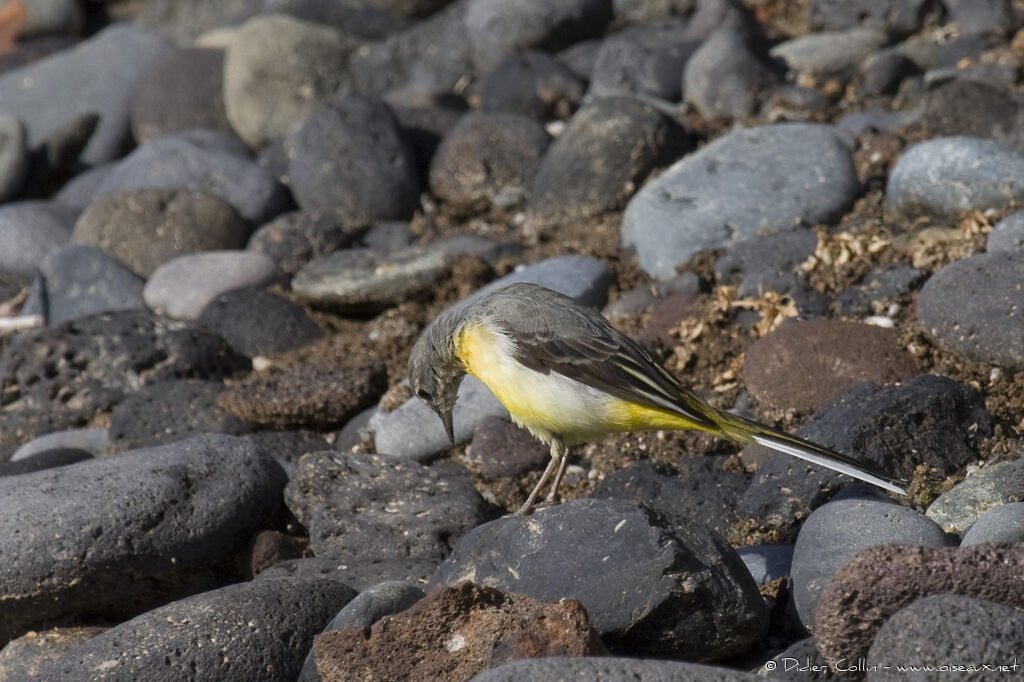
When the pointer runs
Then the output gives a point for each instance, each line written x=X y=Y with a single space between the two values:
x=554 y=333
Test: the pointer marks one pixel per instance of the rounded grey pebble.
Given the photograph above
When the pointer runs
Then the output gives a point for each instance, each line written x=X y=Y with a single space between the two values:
x=946 y=176
x=644 y=61
x=789 y=172
x=83 y=280
x=1008 y=234
x=29 y=230
x=975 y=307
x=263 y=628
x=205 y=160
x=46 y=93
x=829 y=54
x=724 y=78
x=767 y=562
x=1004 y=523
x=183 y=286
x=836 y=531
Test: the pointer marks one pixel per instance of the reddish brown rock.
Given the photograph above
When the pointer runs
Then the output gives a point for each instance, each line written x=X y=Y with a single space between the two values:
x=455 y=633
x=879 y=581
x=803 y=365
x=305 y=396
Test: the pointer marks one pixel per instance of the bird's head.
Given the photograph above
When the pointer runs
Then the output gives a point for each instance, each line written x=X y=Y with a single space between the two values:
x=435 y=371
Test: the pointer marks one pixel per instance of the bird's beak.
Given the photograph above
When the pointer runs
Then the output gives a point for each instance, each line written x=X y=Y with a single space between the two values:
x=446 y=419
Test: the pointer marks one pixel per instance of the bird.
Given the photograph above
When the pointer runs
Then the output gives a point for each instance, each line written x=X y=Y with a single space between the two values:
x=568 y=376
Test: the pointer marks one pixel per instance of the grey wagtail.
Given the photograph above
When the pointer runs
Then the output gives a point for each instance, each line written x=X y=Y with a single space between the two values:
x=568 y=376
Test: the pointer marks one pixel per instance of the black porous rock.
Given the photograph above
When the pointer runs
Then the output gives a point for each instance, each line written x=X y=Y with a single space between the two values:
x=306 y=395
x=78 y=281
x=350 y=159
x=425 y=125
x=699 y=493
x=366 y=508
x=601 y=159
x=975 y=307
x=950 y=629
x=646 y=584
x=609 y=669
x=61 y=377
x=883 y=73
x=95 y=539
x=532 y=84
x=181 y=90
x=488 y=158
x=293 y=239
x=257 y=322
x=644 y=61
x=258 y=631
x=169 y=411
x=929 y=420
x=836 y=531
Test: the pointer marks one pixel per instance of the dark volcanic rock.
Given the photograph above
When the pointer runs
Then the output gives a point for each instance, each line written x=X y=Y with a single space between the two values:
x=644 y=61
x=975 y=307
x=169 y=411
x=608 y=669
x=379 y=507
x=803 y=365
x=700 y=493
x=61 y=377
x=724 y=78
x=350 y=159
x=25 y=657
x=685 y=591
x=47 y=459
x=598 y=162
x=769 y=262
x=488 y=158
x=971 y=107
x=256 y=322
x=258 y=631
x=502 y=449
x=880 y=581
x=94 y=539
x=899 y=17
x=948 y=629
x=929 y=420
x=306 y=396
x=490 y=627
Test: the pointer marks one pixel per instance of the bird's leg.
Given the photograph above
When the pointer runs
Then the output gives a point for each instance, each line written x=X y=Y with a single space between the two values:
x=563 y=459
x=557 y=455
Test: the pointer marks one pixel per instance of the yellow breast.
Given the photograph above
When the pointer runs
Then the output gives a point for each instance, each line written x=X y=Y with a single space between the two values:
x=549 y=404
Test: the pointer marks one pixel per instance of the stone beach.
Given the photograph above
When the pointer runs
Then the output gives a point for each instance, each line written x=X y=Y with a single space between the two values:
x=223 y=226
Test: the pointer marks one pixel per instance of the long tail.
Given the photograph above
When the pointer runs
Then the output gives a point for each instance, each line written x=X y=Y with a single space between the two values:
x=743 y=430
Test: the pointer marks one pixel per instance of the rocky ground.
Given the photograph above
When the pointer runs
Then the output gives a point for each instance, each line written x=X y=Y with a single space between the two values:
x=224 y=225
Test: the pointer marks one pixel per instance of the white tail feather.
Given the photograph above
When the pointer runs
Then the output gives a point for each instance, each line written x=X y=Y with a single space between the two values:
x=820 y=460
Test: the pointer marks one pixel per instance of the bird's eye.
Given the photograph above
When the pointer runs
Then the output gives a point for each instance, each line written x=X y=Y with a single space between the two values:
x=424 y=394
